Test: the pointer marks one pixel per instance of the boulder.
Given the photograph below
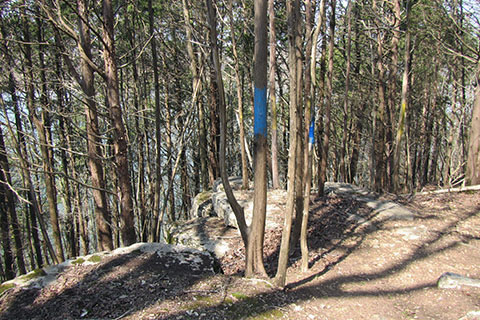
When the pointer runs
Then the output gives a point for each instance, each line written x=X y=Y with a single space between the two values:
x=450 y=280
x=205 y=234
x=202 y=205
x=276 y=201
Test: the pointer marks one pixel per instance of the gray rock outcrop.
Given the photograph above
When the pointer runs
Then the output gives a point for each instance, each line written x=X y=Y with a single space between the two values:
x=450 y=280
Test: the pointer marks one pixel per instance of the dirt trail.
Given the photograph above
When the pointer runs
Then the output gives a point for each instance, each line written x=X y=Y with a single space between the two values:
x=366 y=263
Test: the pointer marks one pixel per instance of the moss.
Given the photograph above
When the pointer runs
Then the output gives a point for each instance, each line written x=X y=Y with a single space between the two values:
x=95 y=258
x=33 y=274
x=204 y=196
x=239 y=295
x=5 y=286
x=78 y=261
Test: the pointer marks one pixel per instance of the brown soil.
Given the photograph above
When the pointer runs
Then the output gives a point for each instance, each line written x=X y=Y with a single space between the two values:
x=362 y=266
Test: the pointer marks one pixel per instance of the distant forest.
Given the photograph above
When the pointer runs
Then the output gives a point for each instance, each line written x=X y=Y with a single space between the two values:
x=114 y=114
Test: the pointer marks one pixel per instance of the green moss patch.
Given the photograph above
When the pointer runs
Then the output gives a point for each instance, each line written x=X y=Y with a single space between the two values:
x=239 y=295
x=34 y=274
x=6 y=286
x=204 y=196
x=95 y=259
x=78 y=261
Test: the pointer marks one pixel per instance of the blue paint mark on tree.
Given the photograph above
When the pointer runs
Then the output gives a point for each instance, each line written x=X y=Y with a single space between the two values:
x=260 y=111
x=311 y=131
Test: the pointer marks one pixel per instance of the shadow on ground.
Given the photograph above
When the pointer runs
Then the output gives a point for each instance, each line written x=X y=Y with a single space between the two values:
x=127 y=285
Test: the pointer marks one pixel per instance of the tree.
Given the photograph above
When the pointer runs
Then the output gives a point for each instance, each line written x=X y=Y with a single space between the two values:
x=293 y=12
x=237 y=209
x=473 y=159
x=272 y=94
x=41 y=123
x=328 y=103
x=257 y=229
x=119 y=135
x=310 y=134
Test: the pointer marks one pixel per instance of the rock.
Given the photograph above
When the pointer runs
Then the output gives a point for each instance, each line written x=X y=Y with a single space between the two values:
x=205 y=234
x=472 y=315
x=191 y=259
x=276 y=201
x=387 y=210
x=450 y=280
x=235 y=183
x=202 y=205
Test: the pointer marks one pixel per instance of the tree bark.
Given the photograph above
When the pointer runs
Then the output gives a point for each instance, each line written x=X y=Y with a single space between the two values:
x=403 y=106
x=310 y=133
x=119 y=135
x=157 y=217
x=257 y=228
x=473 y=159
x=102 y=213
x=9 y=270
x=272 y=94
x=293 y=13
x=328 y=104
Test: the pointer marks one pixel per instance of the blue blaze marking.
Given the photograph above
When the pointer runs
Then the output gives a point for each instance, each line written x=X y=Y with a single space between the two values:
x=260 y=111
x=311 y=131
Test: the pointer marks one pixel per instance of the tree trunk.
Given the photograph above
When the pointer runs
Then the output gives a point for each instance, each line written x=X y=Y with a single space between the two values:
x=299 y=182
x=310 y=87
x=5 y=205
x=257 y=228
x=243 y=154
x=379 y=167
x=44 y=145
x=168 y=145
x=119 y=135
x=293 y=13
x=473 y=159
x=343 y=156
x=328 y=104
x=157 y=218
x=196 y=87
x=403 y=107
x=102 y=213
x=65 y=145
x=272 y=93
x=237 y=209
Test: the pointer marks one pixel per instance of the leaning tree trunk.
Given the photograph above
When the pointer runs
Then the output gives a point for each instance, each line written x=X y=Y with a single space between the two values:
x=119 y=135
x=237 y=209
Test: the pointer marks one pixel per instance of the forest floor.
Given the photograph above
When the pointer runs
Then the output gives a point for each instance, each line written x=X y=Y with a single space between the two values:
x=363 y=265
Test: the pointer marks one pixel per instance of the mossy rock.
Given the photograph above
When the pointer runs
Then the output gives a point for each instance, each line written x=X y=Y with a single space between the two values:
x=204 y=196
x=95 y=258
x=37 y=273
x=6 y=286
x=78 y=261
